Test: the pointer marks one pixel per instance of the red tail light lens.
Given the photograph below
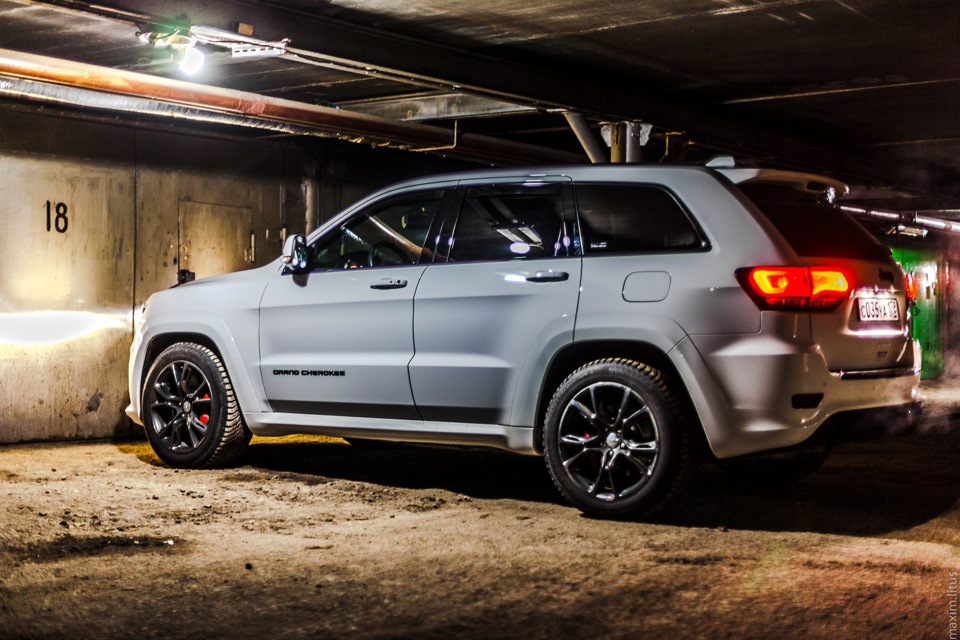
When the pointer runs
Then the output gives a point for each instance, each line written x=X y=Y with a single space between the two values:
x=795 y=288
x=911 y=285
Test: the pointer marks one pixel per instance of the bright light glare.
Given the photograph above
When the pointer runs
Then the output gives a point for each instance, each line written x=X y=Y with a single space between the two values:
x=50 y=327
x=192 y=61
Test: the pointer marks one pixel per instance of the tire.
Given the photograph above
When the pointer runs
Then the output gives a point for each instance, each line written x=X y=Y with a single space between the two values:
x=615 y=440
x=190 y=412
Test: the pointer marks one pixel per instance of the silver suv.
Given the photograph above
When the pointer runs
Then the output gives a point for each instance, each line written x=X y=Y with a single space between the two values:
x=622 y=321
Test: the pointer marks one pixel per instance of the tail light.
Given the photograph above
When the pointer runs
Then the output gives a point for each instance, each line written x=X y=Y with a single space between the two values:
x=911 y=286
x=795 y=288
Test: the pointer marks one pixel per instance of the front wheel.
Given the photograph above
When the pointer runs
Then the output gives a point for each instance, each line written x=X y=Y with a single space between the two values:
x=615 y=441
x=190 y=412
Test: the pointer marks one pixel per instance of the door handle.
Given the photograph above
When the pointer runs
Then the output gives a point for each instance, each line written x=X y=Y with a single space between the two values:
x=549 y=276
x=389 y=283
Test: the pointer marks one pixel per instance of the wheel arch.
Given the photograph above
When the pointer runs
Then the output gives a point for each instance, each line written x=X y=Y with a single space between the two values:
x=161 y=342
x=212 y=336
x=577 y=354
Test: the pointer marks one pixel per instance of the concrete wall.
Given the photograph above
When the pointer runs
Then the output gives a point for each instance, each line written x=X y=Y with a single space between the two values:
x=93 y=219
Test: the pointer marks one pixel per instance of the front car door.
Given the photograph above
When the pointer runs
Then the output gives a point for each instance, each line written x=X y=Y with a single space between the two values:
x=503 y=297
x=337 y=340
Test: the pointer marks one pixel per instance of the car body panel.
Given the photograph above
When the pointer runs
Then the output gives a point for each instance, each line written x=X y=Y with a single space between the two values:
x=336 y=342
x=478 y=324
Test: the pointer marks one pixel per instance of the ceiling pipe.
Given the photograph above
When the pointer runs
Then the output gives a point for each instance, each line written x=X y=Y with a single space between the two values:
x=70 y=96
x=178 y=99
x=578 y=123
x=903 y=217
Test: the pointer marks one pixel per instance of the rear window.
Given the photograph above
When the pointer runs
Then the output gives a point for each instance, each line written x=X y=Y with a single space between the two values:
x=814 y=230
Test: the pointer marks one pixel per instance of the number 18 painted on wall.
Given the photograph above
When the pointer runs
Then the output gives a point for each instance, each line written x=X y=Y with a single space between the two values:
x=57 y=217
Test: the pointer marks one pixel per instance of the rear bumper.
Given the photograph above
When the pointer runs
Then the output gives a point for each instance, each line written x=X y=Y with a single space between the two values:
x=763 y=393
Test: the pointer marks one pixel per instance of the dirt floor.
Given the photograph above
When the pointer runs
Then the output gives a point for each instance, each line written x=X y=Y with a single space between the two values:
x=313 y=538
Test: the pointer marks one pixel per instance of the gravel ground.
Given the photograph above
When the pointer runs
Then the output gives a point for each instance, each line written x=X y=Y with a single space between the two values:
x=314 y=538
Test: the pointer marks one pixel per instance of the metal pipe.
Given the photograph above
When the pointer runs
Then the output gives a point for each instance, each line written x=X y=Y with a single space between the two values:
x=618 y=142
x=634 y=152
x=901 y=217
x=581 y=129
x=175 y=98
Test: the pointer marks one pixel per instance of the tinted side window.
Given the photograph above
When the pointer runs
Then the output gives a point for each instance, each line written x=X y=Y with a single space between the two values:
x=509 y=223
x=623 y=218
x=814 y=230
x=388 y=233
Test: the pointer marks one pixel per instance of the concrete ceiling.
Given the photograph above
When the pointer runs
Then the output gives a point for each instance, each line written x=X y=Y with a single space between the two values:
x=865 y=90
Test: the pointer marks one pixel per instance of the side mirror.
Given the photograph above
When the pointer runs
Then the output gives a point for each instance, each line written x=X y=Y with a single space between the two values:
x=295 y=254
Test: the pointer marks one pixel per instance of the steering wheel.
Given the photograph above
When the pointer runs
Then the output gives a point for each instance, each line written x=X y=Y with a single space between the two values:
x=372 y=258
x=354 y=260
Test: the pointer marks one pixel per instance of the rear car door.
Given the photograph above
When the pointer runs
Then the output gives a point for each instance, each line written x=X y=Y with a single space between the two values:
x=500 y=297
x=337 y=340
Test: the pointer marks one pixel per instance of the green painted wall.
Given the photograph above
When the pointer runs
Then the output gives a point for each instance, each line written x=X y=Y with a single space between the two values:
x=924 y=264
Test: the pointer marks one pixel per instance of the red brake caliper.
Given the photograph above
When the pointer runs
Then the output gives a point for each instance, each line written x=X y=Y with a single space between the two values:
x=205 y=418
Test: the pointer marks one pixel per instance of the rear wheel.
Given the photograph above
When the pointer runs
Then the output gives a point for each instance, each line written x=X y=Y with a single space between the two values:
x=615 y=441
x=191 y=414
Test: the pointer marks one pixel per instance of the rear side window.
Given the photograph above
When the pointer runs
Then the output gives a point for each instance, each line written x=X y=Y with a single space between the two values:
x=625 y=218
x=814 y=230
x=512 y=223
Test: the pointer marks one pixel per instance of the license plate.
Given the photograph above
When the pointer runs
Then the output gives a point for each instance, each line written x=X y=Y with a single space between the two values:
x=878 y=309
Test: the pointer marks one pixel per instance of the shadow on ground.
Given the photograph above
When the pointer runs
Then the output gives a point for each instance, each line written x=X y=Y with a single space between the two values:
x=869 y=488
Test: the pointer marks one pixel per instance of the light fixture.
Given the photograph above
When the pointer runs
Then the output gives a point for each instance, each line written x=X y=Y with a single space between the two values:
x=181 y=44
x=191 y=60
x=913 y=232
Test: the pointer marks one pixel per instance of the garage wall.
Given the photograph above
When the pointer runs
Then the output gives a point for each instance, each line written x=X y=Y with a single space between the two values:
x=97 y=216
x=92 y=218
x=66 y=281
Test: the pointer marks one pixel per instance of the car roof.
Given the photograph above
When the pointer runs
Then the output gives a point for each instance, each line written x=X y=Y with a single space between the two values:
x=807 y=182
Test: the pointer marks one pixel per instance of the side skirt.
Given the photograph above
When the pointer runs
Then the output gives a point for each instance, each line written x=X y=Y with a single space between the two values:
x=516 y=439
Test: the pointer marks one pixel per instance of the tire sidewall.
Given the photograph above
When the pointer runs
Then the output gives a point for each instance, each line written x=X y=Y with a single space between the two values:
x=646 y=383
x=198 y=357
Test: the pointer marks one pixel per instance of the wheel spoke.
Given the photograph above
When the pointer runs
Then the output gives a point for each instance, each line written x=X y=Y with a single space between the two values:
x=196 y=430
x=185 y=375
x=162 y=391
x=202 y=388
x=586 y=412
x=174 y=429
x=164 y=432
x=650 y=448
x=645 y=410
x=577 y=440
x=593 y=402
x=176 y=372
x=572 y=459
x=596 y=483
x=639 y=464
x=173 y=406
x=623 y=406
x=609 y=468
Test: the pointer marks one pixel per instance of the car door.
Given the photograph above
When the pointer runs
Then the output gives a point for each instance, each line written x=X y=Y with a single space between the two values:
x=489 y=312
x=337 y=340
